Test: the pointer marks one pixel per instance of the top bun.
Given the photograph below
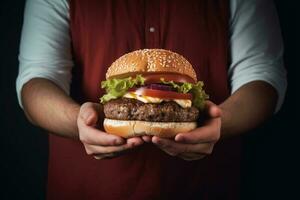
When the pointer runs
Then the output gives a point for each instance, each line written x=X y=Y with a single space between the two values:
x=151 y=60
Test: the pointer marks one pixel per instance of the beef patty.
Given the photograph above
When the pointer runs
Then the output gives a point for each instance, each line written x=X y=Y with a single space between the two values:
x=132 y=109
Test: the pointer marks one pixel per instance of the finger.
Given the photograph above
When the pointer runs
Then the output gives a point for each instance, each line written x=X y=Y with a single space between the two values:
x=147 y=138
x=165 y=145
x=135 y=141
x=113 y=154
x=100 y=152
x=103 y=150
x=91 y=135
x=212 y=110
x=174 y=148
x=89 y=112
x=191 y=156
x=109 y=155
x=210 y=132
x=99 y=157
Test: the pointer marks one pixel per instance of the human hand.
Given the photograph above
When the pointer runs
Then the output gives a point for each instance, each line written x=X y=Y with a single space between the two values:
x=96 y=142
x=198 y=143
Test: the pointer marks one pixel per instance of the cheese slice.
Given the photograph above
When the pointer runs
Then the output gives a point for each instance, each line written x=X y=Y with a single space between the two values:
x=184 y=103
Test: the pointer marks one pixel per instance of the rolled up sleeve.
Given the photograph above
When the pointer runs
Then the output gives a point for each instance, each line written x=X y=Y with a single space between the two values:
x=256 y=46
x=45 y=48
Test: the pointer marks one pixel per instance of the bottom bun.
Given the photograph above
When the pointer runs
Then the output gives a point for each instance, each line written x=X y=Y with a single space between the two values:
x=129 y=129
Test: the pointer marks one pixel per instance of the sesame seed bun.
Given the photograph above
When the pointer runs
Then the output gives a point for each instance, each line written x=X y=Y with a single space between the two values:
x=151 y=60
x=129 y=129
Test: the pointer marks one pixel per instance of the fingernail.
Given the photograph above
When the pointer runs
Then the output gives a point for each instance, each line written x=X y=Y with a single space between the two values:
x=178 y=138
x=155 y=140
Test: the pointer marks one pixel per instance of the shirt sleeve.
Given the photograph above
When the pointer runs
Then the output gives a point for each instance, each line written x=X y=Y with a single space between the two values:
x=256 y=46
x=45 y=48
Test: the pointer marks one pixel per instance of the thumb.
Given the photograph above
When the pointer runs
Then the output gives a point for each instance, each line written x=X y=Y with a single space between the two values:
x=89 y=112
x=213 y=110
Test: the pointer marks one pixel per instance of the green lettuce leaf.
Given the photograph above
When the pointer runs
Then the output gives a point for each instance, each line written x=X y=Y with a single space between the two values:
x=199 y=95
x=116 y=88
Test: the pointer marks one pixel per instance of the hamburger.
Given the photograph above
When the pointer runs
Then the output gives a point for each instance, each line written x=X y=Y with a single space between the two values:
x=151 y=92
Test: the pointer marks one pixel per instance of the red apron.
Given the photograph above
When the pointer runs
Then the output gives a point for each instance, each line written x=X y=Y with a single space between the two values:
x=102 y=31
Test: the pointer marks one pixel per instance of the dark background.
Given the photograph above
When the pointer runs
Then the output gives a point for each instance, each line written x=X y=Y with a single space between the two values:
x=270 y=154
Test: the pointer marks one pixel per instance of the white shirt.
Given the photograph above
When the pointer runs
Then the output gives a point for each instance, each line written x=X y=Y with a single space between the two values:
x=255 y=45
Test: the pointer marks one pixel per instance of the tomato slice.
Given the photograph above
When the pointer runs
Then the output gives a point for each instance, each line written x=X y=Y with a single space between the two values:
x=155 y=77
x=162 y=94
x=177 y=78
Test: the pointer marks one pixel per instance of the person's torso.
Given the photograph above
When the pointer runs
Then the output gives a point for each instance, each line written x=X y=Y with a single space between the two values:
x=102 y=31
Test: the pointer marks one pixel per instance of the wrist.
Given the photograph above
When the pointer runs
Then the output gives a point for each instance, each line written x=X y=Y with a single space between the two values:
x=226 y=117
x=71 y=112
